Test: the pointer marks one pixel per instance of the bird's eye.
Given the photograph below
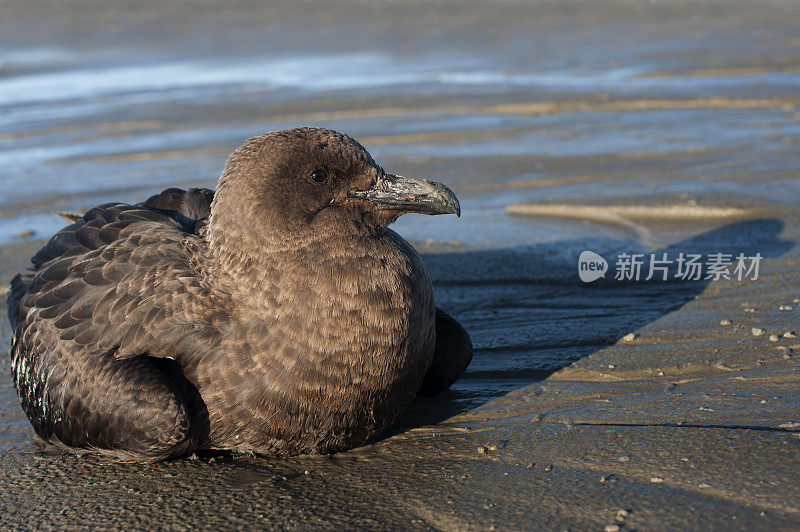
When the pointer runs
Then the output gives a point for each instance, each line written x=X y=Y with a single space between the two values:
x=319 y=176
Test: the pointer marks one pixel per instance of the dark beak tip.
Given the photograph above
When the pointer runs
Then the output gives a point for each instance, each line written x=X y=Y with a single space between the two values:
x=447 y=199
x=456 y=207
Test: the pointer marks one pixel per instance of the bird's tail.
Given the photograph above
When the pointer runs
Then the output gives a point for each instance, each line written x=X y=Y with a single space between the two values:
x=71 y=217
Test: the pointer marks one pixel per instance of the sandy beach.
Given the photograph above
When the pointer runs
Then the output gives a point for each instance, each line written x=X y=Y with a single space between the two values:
x=618 y=127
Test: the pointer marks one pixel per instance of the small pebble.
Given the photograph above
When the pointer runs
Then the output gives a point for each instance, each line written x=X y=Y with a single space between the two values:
x=529 y=466
x=491 y=448
x=789 y=334
x=611 y=366
x=306 y=472
x=481 y=450
x=773 y=338
x=630 y=337
x=750 y=310
x=660 y=373
x=724 y=322
x=612 y=528
x=622 y=513
x=785 y=307
x=656 y=480
x=763 y=401
x=548 y=468
x=757 y=331
x=796 y=300
x=602 y=479
x=537 y=418
x=704 y=485
x=623 y=459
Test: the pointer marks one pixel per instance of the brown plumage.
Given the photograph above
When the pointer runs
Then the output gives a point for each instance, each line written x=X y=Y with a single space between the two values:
x=278 y=315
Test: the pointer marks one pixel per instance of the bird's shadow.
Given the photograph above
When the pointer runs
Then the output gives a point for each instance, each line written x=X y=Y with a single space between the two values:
x=529 y=314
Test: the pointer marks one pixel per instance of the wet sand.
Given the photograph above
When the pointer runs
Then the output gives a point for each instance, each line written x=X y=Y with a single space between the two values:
x=610 y=126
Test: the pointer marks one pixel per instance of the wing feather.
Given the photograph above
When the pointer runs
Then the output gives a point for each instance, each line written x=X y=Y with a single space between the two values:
x=125 y=278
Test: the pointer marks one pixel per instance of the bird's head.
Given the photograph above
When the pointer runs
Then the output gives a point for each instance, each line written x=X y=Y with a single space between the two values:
x=288 y=183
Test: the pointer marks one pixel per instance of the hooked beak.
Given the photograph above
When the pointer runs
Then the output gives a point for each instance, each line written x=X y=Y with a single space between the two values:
x=398 y=193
